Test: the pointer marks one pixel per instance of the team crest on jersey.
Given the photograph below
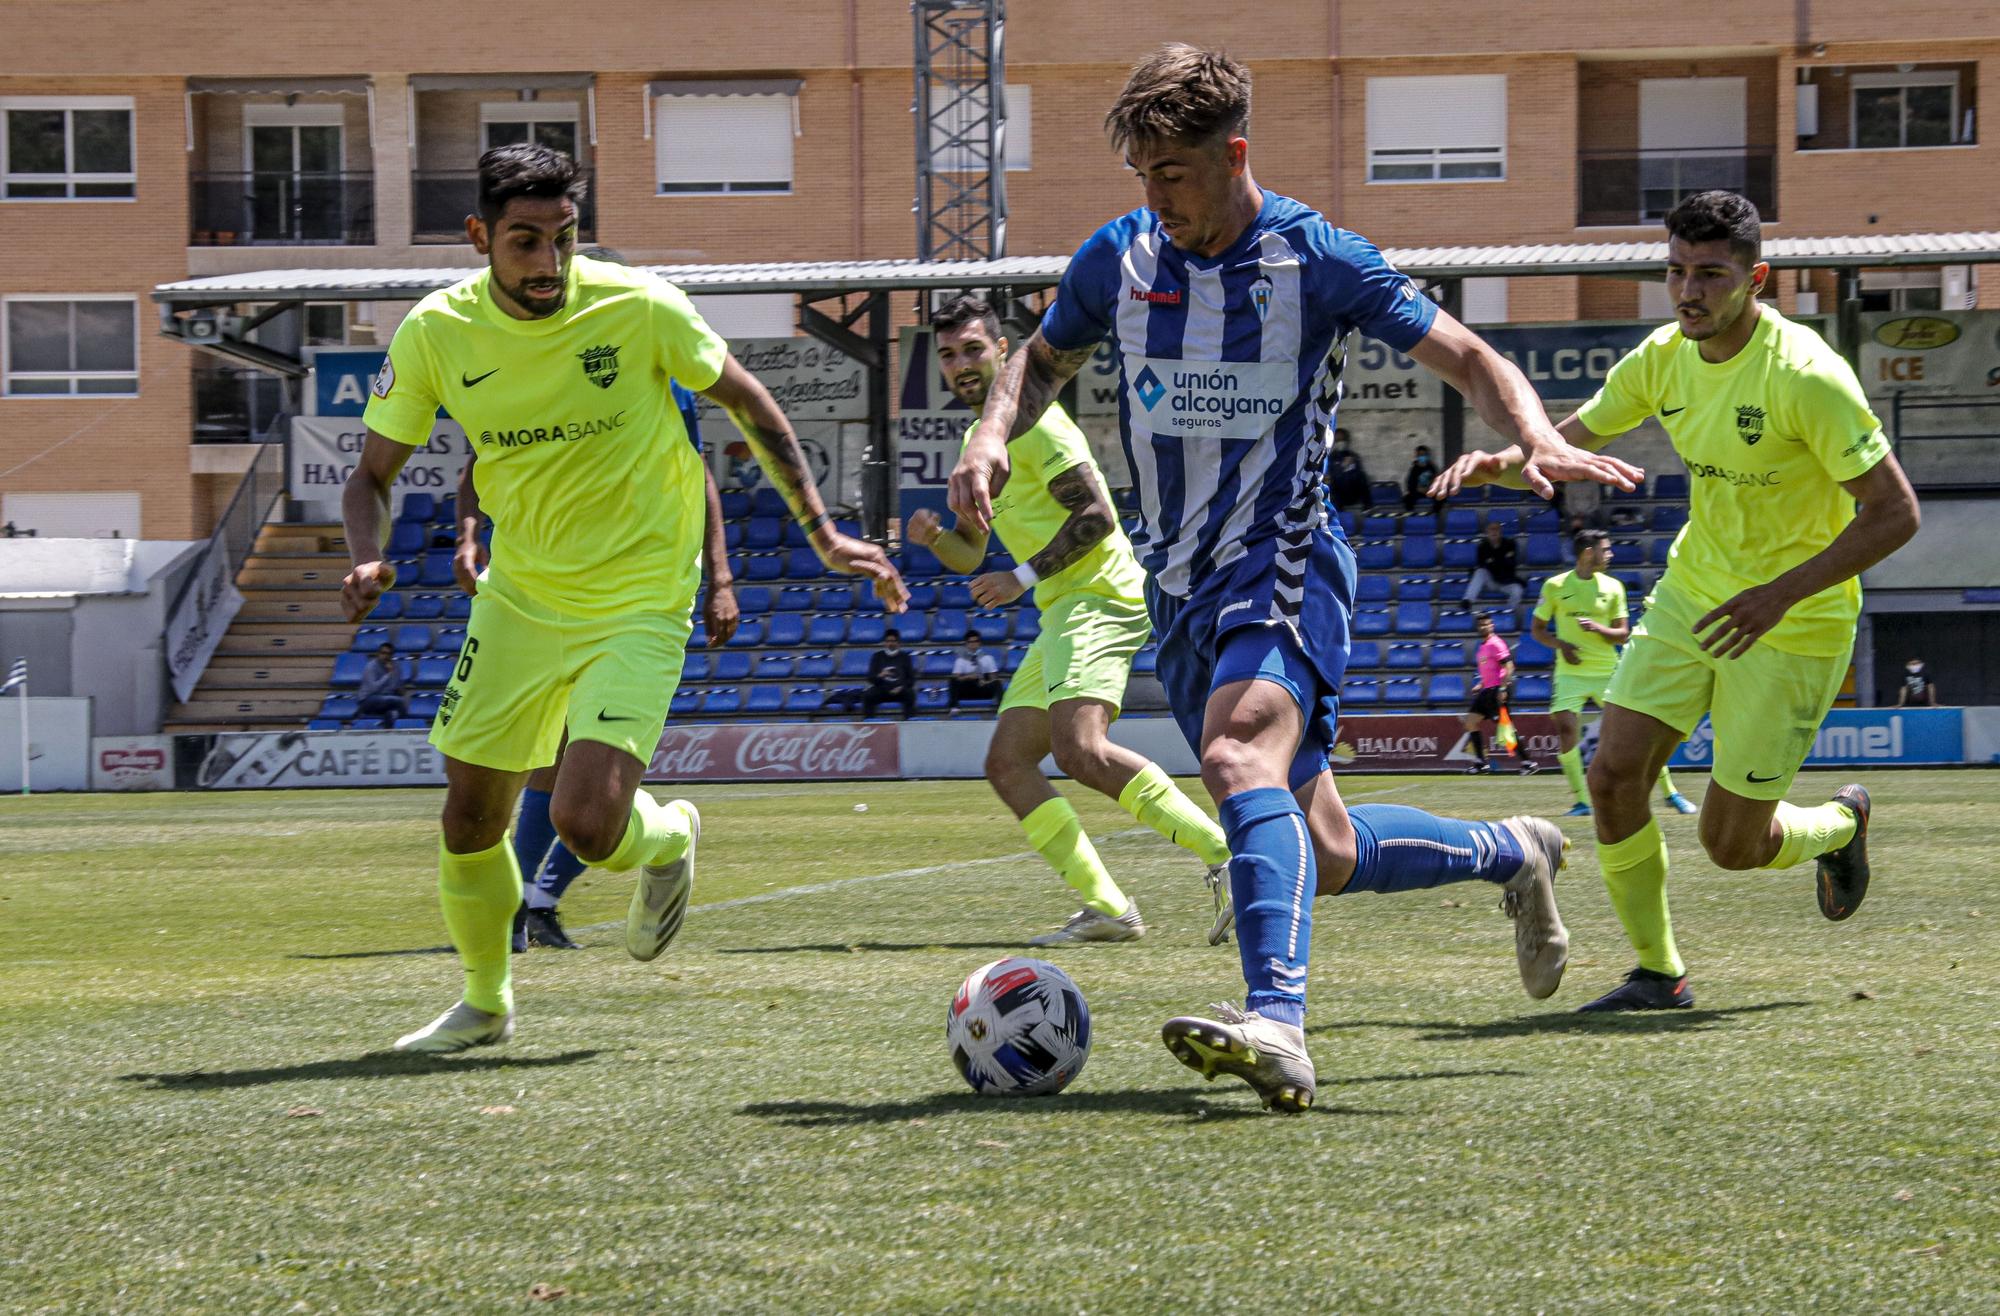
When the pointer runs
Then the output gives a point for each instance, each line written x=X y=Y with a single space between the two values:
x=600 y=365
x=385 y=379
x=1750 y=424
x=1261 y=293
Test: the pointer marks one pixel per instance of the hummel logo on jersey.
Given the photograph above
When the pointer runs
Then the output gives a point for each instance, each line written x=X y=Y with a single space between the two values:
x=1750 y=424
x=469 y=380
x=1170 y=298
x=1673 y=411
x=600 y=365
x=1148 y=386
x=1261 y=293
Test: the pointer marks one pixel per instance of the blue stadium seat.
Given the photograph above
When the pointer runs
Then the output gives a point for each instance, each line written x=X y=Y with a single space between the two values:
x=409 y=537
x=852 y=663
x=1416 y=589
x=1504 y=621
x=412 y=639
x=1499 y=493
x=1405 y=655
x=803 y=564
x=1364 y=655
x=793 y=599
x=387 y=608
x=423 y=607
x=1385 y=492
x=436 y=569
x=1531 y=652
x=806 y=700
x=761 y=566
x=1548 y=521
x=1413 y=618
x=827 y=630
x=765 y=699
x=748 y=635
x=347 y=670
x=418 y=508
x=763 y=532
x=795 y=536
x=448 y=640
x=1628 y=550
x=1146 y=660
x=1371 y=621
x=458 y=607
x=947 y=626
x=1448 y=688
x=814 y=667
x=990 y=627
x=1667 y=520
x=721 y=701
x=1634 y=583
x=935 y=662
x=1372 y=589
x=1422 y=524
x=325 y=724
x=369 y=638
x=1661 y=550
x=913 y=626
x=1508 y=520
x=1455 y=621
x=1027 y=623
x=768 y=502
x=920 y=562
x=753 y=599
x=1448 y=653
x=409 y=724
x=732 y=666
x=1380 y=527
x=932 y=698
x=1474 y=495
x=338 y=706
x=425 y=705
x=695 y=667
x=735 y=505
x=1544 y=551
x=955 y=594
x=785 y=629
x=1358 y=693
x=1459 y=554
x=866 y=629
x=773 y=667
x=732 y=537
x=1532 y=689
x=434 y=671
x=1671 y=486
x=1461 y=522
x=1375 y=556
x=922 y=597
x=1638 y=493
x=685 y=703
x=1403 y=692
x=842 y=598
x=1012 y=662
x=698 y=634
x=1348 y=525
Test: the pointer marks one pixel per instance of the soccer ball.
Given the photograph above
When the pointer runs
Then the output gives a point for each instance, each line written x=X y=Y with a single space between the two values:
x=1018 y=1028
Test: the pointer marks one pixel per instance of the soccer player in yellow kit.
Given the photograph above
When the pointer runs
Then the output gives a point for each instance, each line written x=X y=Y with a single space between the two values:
x=1056 y=518
x=558 y=369
x=1581 y=615
x=1753 y=622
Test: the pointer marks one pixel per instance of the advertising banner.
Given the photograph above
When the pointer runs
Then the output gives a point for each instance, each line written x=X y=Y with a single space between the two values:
x=1429 y=742
x=325 y=449
x=132 y=763
x=203 y=614
x=254 y=760
x=810 y=379
x=1947 y=353
x=1860 y=736
x=798 y=751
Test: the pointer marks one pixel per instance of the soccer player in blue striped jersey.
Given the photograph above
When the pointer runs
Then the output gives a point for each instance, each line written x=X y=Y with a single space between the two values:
x=1230 y=306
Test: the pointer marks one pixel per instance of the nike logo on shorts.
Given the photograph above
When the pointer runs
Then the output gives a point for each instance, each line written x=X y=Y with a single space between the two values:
x=604 y=716
x=468 y=380
x=1673 y=411
x=1751 y=776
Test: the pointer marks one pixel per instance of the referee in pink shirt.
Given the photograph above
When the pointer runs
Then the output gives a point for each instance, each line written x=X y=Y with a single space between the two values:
x=1496 y=673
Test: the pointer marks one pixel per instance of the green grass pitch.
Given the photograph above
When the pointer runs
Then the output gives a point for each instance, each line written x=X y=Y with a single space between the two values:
x=196 y=991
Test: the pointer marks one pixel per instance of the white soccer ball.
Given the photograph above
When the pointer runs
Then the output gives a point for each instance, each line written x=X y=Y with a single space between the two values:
x=1018 y=1028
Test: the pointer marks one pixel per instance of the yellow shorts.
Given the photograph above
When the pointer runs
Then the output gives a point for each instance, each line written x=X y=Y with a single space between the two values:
x=1764 y=707
x=1085 y=651
x=526 y=670
x=1574 y=689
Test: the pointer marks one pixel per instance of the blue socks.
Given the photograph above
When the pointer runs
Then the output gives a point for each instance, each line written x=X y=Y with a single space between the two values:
x=533 y=832
x=1397 y=848
x=1272 y=878
x=557 y=872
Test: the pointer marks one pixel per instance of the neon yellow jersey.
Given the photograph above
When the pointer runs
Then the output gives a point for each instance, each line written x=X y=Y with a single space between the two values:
x=1026 y=516
x=1768 y=436
x=1568 y=598
x=597 y=498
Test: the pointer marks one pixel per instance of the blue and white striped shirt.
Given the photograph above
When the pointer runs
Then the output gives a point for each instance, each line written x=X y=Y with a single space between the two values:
x=1229 y=371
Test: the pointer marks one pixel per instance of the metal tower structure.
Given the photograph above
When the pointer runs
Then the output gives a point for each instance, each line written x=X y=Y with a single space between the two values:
x=961 y=122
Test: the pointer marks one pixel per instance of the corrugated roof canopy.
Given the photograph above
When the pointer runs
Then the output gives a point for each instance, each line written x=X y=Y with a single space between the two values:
x=1043 y=271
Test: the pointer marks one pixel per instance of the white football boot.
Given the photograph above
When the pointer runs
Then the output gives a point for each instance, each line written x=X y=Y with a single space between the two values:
x=1268 y=1055
x=1088 y=924
x=1541 y=942
x=458 y=1029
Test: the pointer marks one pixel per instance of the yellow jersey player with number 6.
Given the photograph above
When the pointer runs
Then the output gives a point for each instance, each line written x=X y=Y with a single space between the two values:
x=559 y=370
x=1754 y=621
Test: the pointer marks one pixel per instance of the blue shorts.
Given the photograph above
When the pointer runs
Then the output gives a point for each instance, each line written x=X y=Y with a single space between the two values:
x=1279 y=613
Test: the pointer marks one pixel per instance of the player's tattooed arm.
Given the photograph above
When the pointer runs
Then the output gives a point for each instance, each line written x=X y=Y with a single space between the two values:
x=1044 y=371
x=1091 y=518
x=1026 y=385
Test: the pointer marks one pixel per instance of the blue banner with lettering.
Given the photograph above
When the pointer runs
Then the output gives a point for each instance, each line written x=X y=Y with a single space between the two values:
x=341 y=377
x=1861 y=736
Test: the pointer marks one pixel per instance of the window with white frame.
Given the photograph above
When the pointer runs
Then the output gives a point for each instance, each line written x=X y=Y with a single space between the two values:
x=70 y=346
x=725 y=143
x=968 y=115
x=1893 y=109
x=543 y=123
x=1442 y=129
x=67 y=148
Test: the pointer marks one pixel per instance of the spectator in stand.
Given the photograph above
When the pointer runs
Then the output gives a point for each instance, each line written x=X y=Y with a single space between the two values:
x=974 y=673
x=1423 y=470
x=1496 y=673
x=1917 y=687
x=892 y=677
x=381 y=693
x=1349 y=483
x=1495 y=566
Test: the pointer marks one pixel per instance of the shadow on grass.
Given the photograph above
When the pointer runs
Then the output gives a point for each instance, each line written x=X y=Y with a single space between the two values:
x=376 y=1064
x=1641 y=1023
x=370 y=954
x=848 y=947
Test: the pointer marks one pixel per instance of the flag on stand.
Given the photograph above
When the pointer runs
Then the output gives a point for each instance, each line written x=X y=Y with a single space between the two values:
x=16 y=675
x=1505 y=736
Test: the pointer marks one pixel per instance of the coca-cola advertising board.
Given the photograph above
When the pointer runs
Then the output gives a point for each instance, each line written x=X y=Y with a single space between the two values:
x=1428 y=742
x=796 y=751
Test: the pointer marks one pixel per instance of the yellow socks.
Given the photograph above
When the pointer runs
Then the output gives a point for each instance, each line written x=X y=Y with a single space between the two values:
x=479 y=893
x=1635 y=875
x=656 y=833
x=1667 y=781
x=1057 y=835
x=1572 y=766
x=1154 y=800
x=1811 y=832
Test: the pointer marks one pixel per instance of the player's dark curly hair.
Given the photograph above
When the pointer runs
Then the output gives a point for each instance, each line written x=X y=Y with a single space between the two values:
x=962 y=311
x=1585 y=540
x=1181 y=93
x=506 y=172
x=1719 y=216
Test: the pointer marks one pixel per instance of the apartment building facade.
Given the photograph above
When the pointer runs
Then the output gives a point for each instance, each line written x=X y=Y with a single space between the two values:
x=147 y=143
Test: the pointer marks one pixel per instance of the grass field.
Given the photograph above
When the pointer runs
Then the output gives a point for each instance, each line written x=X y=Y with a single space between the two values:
x=196 y=991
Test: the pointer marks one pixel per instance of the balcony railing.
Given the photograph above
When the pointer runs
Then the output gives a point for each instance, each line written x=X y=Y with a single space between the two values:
x=283 y=209
x=440 y=199
x=1637 y=187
